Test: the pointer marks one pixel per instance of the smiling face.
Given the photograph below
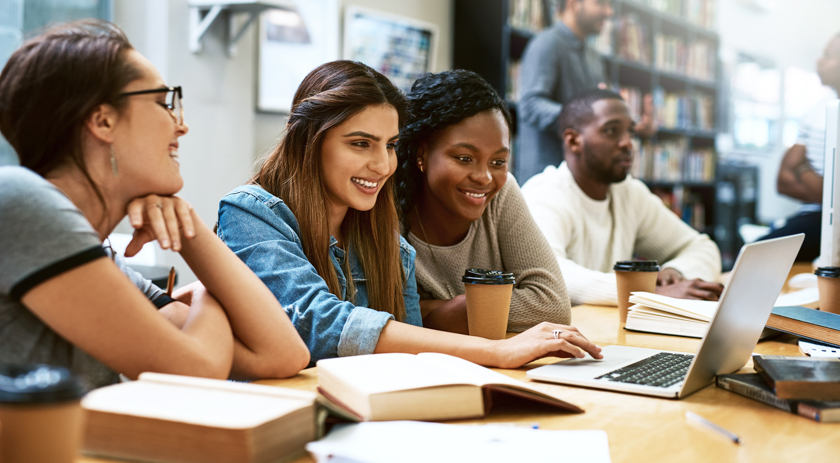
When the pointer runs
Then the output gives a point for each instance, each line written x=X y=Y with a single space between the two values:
x=466 y=165
x=357 y=157
x=146 y=137
x=605 y=142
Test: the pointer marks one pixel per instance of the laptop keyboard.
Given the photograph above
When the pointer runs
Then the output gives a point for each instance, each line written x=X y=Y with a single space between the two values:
x=661 y=370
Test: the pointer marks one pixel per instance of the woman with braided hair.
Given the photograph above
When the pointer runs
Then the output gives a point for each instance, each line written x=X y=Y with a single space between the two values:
x=460 y=208
x=318 y=224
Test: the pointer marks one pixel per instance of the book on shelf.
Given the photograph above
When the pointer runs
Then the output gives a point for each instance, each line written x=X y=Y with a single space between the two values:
x=655 y=313
x=527 y=14
x=701 y=12
x=816 y=325
x=695 y=59
x=752 y=386
x=512 y=89
x=633 y=39
x=169 y=418
x=800 y=377
x=423 y=387
x=603 y=41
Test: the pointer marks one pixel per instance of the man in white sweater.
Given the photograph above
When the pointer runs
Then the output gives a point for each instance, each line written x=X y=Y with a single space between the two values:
x=594 y=214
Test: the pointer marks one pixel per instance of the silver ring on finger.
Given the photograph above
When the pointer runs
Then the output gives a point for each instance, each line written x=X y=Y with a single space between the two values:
x=556 y=333
x=159 y=206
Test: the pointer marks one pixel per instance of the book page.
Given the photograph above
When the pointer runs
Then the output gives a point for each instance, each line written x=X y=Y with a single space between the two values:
x=203 y=406
x=377 y=373
x=387 y=443
x=703 y=310
x=487 y=377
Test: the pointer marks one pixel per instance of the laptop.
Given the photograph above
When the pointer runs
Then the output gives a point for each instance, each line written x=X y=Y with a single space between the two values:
x=745 y=305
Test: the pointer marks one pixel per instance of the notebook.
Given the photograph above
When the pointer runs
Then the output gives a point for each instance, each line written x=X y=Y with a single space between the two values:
x=757 y=278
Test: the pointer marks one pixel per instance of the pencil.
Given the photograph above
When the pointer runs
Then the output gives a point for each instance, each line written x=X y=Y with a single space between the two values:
x=170 y=282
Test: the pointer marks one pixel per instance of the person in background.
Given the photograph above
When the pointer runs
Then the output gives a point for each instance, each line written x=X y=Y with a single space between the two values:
x=593 y=214
x=460 y=208
x=318 y=224
x=557 y=64
x=96 y=130
x=801 y=171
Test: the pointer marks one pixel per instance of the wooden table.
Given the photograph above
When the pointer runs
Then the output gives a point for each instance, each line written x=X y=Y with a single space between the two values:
x=646 y=429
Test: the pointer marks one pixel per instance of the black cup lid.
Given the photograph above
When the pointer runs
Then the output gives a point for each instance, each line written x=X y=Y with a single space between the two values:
x=829 y=272
x=636 y=266
x=480 y=276
x=38 y=383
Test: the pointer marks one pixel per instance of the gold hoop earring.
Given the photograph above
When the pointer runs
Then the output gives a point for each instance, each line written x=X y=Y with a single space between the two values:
x=113 y=162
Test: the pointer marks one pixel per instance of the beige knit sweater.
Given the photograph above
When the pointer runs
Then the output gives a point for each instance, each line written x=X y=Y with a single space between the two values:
x=505 y=238
x=587 y=243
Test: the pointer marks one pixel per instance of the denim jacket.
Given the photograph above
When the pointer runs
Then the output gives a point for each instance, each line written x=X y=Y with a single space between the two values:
x=261 y=229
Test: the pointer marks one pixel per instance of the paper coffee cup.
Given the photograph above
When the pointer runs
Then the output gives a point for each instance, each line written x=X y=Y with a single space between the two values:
x=41 y=414
x=828 y=284
x=630 y=276
x=488 y=302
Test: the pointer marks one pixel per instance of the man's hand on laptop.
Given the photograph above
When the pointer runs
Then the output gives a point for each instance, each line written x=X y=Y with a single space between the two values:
x=670 y=282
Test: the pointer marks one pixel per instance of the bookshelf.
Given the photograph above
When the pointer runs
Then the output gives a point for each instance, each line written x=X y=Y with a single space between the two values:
x=657 y=52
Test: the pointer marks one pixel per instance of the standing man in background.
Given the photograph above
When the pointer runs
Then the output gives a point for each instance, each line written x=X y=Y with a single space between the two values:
x=801 y=172
x=556 y=65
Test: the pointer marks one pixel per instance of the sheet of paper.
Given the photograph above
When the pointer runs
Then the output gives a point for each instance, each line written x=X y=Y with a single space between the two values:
x=808 y=297
x=417 y=442
x=818 y=350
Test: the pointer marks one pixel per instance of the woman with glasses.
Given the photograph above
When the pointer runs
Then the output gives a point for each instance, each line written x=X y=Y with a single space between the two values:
x=96 y=130
x=318 y=224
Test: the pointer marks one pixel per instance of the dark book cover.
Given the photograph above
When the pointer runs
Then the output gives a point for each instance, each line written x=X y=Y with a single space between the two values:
x=752 y=386
x=815 y=325
x=800 y=377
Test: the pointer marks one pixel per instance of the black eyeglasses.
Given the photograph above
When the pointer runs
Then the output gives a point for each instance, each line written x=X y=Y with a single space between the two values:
x=173 y=100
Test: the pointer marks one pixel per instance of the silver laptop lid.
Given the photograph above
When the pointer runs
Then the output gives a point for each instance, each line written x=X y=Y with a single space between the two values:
x=745 y=305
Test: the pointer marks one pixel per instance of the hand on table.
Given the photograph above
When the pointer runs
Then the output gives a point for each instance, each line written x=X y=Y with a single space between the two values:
x=161 y=218
x=539 y=342
x=671 y=283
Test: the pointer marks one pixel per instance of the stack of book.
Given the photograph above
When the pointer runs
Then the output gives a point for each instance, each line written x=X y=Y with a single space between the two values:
x=802 y=385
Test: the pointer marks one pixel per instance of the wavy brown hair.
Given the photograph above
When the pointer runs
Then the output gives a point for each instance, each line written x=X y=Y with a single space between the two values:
x=331 y=94
x=53 y=83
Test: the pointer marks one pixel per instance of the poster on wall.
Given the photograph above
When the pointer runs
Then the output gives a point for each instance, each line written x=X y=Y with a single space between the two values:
x=291 y=44
x=401 y=48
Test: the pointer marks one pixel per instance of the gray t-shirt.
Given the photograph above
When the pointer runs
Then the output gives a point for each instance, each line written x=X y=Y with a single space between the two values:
x=42 y=234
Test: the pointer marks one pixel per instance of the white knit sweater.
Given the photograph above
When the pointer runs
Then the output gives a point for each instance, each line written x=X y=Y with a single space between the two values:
x=589 y=236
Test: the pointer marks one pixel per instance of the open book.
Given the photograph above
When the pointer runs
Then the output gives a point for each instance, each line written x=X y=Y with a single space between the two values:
x=169 y=418
x=425 y=387
x=654 y=313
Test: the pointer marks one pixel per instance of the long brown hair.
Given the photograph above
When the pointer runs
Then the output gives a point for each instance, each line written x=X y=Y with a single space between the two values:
x=51 y=85
x=328 y=96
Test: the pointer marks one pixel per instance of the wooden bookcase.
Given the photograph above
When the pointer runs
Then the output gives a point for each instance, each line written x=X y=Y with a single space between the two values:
x=678 y=162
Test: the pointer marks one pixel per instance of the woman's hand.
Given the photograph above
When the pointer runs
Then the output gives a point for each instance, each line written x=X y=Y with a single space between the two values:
x=539 y=342
x=161 y=218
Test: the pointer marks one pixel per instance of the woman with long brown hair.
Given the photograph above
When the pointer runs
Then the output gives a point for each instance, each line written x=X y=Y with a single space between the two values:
x=96 y=130
x=319 y=225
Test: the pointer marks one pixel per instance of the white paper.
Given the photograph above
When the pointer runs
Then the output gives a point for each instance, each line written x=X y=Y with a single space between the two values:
x=418 y=442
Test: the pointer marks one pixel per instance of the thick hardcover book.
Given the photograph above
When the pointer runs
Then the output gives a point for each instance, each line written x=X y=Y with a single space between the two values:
x=751 y=385
x=800 y=377
x=806 y=323
x=179 y=419
x=424 y=387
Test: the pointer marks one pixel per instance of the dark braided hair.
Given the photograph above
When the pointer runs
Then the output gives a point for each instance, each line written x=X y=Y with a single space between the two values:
x=435 y=102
